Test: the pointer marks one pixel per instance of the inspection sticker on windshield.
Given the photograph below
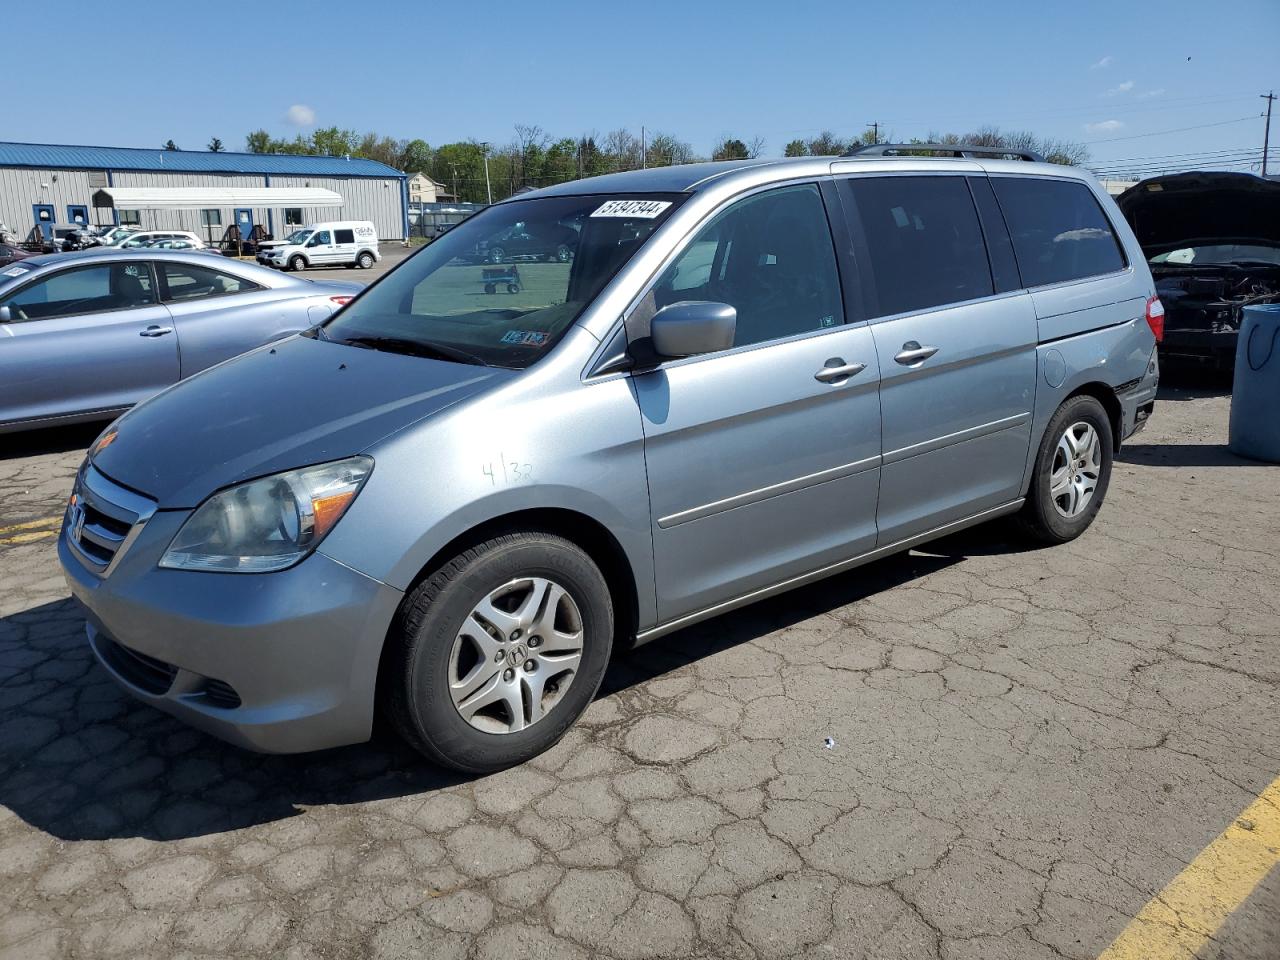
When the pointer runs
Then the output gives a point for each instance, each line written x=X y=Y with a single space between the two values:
x=641 y=209
x=526 y=338
x=16 y=271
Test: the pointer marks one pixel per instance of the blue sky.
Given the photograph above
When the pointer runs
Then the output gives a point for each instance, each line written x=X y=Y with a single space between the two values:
x=1111 y=74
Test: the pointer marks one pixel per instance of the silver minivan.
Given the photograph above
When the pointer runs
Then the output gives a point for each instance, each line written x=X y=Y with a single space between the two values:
x=453 y=499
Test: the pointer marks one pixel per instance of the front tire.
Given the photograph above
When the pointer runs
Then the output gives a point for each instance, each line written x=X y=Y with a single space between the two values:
x=297 y=263
x=1072 y=472
x=494 y=655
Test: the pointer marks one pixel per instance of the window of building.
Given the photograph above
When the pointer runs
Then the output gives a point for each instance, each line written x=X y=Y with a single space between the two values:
x=1059 y=231
x=131 y=218
x=211 y=218
x=771 y=257
x=293 y=217
x=186 y=281
x=924 y=241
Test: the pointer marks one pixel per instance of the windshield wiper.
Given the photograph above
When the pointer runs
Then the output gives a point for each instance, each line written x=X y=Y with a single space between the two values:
x=414 y=348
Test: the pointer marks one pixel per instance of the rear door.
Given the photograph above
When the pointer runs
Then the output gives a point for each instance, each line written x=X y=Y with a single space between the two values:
x=344 y=245
x=956 y=342
x=762 y=465
x=89 y=338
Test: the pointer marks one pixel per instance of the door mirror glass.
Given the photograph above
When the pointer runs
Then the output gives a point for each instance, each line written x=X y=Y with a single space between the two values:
x=6 y=315
x=692 y=327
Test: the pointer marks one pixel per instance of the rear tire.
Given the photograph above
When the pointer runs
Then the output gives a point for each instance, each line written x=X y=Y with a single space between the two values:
x=365 y=260
x=1072 y=472
x=424 y=669
x=297 y=263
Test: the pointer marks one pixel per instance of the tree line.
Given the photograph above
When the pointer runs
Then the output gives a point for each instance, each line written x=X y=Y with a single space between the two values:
x=534 y=158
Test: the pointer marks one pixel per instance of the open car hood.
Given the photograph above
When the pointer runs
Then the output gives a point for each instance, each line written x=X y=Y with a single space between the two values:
x=1188 y=209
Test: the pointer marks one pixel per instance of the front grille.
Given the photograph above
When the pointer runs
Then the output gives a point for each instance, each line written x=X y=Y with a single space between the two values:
x=219 y=693
x=103 y=518
x=148 y=673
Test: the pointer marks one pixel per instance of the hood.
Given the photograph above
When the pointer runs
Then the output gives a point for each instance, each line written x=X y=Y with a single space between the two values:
x=294 y=403
x=1186 y=209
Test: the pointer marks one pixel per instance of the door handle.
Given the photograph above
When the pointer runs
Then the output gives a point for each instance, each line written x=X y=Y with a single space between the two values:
x=155 y=331
x=912 y=353
x=836 y=369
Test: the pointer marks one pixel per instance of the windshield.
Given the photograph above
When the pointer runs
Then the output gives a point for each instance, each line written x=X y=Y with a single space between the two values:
x=1220 y=253
x=298 y=236
x=502 y=287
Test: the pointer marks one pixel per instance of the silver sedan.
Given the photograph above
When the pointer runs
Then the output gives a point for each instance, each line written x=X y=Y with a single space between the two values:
x=86 y=335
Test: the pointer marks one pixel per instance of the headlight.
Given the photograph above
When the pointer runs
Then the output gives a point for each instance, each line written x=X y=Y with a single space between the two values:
x=267 y=524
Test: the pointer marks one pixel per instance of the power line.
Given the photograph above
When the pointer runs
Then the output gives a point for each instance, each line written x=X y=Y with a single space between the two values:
x=1161 y=133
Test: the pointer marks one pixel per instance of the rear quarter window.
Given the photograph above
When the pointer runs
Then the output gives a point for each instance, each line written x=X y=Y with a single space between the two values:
x=345 y=236
x=1059 y=230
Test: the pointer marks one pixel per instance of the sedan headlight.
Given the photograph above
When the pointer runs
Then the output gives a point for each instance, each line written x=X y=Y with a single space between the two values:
x=267 y=524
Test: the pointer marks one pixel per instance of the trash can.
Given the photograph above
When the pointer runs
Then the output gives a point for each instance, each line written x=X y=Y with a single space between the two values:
x=1255 y=396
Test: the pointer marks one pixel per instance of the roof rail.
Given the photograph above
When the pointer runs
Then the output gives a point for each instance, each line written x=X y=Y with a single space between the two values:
x=943 y=149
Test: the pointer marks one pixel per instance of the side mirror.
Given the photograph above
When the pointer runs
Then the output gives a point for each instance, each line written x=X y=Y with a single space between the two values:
x=6 y=315
x=691 y=327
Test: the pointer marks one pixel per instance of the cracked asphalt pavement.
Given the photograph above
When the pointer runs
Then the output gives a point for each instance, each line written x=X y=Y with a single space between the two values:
x=1025 y=746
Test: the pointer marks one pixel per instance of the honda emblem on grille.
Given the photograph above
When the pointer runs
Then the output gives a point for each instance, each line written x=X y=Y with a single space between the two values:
x=75 y=521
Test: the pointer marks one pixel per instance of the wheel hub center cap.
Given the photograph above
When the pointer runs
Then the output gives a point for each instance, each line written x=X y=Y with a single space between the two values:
x=518 y=654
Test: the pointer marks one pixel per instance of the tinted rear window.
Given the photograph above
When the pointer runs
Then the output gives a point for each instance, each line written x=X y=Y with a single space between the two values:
x=345 y=236
x=924 y=241
x=1059 y=231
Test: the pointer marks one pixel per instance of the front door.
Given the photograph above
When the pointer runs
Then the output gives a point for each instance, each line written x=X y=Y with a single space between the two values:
x=244 y=222
x=320 y=247
x=762 y=465
x=44 y=218
x=85 y=339
x=957 y=359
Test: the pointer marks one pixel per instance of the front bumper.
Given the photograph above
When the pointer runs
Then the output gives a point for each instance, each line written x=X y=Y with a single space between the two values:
x=1138 y=401
x=280 y=663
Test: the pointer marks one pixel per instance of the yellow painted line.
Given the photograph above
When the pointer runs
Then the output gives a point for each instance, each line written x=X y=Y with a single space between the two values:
x=30 y=537
x=31 y=525
x=1186 y=914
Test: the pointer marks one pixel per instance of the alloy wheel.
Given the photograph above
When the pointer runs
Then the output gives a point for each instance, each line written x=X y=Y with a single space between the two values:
x=1077 y=466
x=515 y=655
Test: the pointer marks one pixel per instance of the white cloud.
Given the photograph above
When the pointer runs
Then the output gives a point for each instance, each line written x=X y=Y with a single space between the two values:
x=1119 y=88
x=1103 y=63
x=300 y=115
x=1148 y=94
x=1104 y=126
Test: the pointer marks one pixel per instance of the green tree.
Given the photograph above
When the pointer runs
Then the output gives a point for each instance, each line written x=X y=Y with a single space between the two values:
x=796 y=148
x=215 y=145
x=415 y=157
x=258 y=141
x=826 y=144
x=730 y=149
x=170 y=145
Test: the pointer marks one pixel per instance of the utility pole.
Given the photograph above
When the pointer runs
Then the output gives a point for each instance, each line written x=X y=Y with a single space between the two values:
x=1270 y=97
x=644 y=149
x=875 y=129
x=488 y=189
x=454 y=168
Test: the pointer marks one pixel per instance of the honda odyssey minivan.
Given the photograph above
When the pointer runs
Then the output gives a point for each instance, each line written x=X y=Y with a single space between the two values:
x=450 y=506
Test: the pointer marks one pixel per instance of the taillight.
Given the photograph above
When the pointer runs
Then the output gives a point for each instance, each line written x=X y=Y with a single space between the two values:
x=1155 y=318
x=342 y=300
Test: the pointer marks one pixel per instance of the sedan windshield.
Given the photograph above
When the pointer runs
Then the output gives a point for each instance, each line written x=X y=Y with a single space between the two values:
x=502 y=287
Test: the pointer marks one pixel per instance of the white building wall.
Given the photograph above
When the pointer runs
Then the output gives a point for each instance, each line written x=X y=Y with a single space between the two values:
x=378 y=200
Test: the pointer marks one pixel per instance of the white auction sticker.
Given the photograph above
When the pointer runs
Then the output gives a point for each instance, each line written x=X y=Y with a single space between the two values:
x=641 y=209
x=16 y=271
